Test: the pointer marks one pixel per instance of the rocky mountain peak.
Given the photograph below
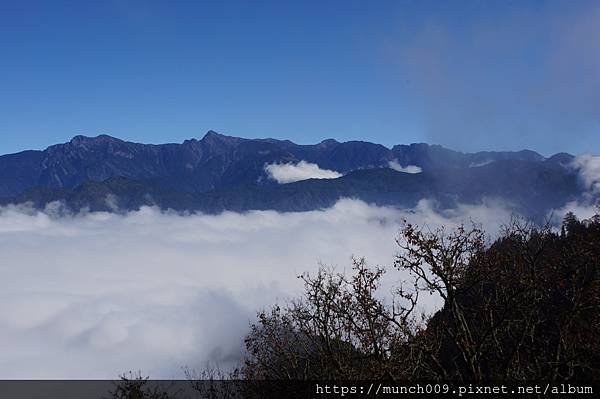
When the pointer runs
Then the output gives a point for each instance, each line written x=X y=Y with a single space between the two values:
x=328 y=143
x=87 y=140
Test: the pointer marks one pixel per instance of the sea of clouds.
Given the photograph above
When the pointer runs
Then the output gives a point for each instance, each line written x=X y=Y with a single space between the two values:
x=94 y=295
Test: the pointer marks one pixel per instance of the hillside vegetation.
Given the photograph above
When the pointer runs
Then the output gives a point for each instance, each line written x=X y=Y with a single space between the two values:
x=525 y=308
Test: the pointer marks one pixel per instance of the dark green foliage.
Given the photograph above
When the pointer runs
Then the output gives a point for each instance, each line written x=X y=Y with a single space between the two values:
x=138 y=387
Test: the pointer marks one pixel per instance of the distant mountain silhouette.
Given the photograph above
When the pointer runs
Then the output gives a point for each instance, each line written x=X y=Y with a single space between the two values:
x=221 y=172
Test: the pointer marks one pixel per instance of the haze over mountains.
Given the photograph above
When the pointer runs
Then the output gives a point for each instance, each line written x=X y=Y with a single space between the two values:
x=220 y=173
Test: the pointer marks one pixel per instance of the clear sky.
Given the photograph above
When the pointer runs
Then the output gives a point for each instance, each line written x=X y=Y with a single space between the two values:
x=471 y=75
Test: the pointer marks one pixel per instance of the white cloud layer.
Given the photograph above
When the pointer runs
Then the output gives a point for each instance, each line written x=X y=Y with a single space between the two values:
x=583 y=210
x=289 y=172
x=395 y=165
x=588 y=167
x=97 y=294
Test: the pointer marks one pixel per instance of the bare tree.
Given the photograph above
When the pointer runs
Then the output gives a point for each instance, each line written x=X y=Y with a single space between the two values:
x=340 y=329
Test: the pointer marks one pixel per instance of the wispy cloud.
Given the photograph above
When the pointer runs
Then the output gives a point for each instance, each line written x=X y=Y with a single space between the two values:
x=289 y=172
x=395 y=165
x=588 y=167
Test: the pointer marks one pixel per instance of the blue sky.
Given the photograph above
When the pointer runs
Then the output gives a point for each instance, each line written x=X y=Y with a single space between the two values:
x=471 y=75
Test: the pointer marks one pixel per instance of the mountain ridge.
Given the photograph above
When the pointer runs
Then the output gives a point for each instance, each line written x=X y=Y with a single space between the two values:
x=98 y=158
x=212 y=135
x=219 y=172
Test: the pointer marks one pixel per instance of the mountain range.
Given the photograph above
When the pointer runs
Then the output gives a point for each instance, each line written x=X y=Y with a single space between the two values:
x=219 y=172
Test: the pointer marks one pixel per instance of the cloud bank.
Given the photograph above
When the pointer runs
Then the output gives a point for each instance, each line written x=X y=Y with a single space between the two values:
x=94 y=295
x=395 y=165
x=588 y=167
x=289 y=172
